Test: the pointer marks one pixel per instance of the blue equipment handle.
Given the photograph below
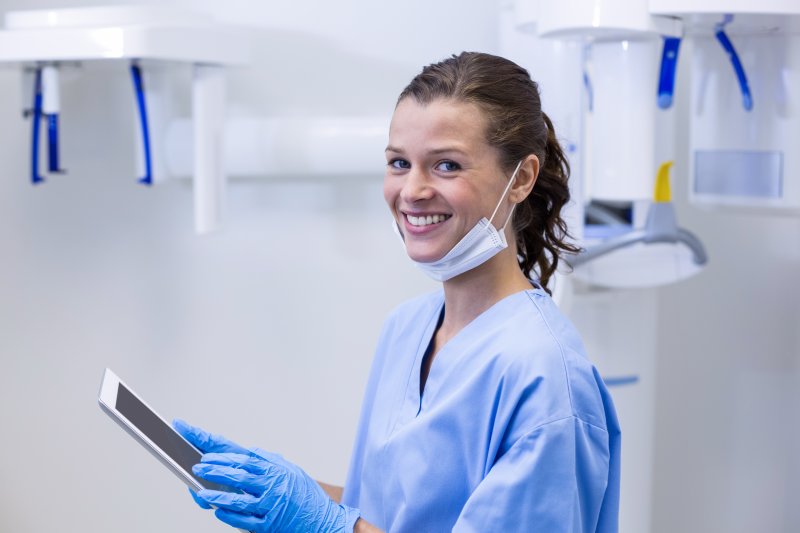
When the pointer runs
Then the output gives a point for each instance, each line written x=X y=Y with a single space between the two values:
x=138 y=84
x=587 y=85
x=669 y=63
x=587 y=80
x=52 y=143
x=37 y=117
x=727 y=45
x=617 y=381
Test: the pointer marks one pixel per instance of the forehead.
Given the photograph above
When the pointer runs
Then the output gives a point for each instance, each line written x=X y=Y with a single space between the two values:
x=440 y=121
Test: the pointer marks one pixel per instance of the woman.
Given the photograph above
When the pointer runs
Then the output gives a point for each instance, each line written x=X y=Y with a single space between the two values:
x=481 y=411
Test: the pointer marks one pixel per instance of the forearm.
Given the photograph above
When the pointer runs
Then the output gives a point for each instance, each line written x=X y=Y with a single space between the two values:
x=362 y=526
x=333 y=491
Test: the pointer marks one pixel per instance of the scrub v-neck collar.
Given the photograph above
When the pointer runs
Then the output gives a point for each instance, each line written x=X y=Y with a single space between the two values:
x=413 y=402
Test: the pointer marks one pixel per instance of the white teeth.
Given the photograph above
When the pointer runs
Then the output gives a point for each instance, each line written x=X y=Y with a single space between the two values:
x=426 y=220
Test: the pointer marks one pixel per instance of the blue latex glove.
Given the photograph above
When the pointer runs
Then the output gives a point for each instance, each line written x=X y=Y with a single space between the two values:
x=205 y=442
x=279 y=496
x=199 y=501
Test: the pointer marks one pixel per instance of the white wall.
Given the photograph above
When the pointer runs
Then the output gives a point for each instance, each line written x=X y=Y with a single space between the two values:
x=263 y=331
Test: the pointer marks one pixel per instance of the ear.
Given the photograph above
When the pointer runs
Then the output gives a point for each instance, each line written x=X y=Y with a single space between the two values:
x=526 y=179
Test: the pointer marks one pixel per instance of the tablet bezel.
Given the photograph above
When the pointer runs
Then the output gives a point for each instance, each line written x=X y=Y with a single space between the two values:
x=108 y=401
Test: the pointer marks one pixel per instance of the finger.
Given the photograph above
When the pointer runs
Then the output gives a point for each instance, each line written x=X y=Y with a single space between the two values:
x=269 y=456
x=248 y=463
x=273 y=462
x=232 y=477
x=247 y=522
x=198 y=500
x=240 y=503
x=205 y=441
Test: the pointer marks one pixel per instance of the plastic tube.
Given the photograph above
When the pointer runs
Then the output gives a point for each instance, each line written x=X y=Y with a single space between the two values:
x=138 y=85
x=36 y=118
x=727 y=45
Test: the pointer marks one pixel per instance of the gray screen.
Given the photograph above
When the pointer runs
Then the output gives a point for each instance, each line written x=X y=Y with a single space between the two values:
x=739 y=173
x=161 y=434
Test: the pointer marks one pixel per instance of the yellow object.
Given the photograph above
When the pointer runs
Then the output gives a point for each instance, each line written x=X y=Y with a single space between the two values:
x=663 y=193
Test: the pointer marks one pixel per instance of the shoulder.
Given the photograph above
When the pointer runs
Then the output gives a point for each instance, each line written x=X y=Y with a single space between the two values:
x=543 y=354
x=538 y=314
x=534 y=332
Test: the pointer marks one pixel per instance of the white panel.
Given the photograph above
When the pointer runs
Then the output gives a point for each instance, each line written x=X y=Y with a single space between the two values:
x=622 y=131
x=725 y=6
x=601 y=18
x=721 y=125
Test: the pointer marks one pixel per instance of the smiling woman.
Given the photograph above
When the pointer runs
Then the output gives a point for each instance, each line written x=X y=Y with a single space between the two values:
x=482 y=412
x=491 y=103
x=440 y=166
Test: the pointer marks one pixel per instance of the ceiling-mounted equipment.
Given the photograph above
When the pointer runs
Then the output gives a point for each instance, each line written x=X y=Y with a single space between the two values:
x=42 y=41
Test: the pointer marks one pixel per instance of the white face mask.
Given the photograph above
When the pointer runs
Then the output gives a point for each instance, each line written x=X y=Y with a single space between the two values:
x=482 y=243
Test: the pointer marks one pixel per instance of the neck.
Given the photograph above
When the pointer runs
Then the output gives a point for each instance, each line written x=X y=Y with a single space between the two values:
x=473 y=292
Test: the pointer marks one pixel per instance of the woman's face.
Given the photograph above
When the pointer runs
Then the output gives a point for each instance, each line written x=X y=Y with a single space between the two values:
x=442 y=176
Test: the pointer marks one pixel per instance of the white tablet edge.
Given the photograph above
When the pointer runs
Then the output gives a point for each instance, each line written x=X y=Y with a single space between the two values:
x=108 y=401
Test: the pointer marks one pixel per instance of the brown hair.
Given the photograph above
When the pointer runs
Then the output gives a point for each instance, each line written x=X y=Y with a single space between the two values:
x=517 y=127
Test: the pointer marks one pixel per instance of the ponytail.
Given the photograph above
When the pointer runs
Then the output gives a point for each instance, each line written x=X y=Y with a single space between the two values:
x=542 y=235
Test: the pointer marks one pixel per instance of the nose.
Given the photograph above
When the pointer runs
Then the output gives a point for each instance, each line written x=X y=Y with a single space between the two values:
x=416 y=186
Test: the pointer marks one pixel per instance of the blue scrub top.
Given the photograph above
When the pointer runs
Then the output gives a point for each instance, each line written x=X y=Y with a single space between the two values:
x=515 y=430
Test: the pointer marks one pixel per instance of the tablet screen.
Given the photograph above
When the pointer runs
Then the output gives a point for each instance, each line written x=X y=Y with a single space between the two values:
x=162 y=435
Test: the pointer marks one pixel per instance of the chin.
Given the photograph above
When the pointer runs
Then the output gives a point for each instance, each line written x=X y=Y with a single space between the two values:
x=424 y=256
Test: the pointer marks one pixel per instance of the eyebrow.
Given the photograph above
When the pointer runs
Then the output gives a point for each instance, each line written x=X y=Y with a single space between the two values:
x=391 y=148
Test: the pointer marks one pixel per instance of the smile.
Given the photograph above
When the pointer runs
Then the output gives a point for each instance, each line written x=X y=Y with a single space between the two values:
x=426 y=220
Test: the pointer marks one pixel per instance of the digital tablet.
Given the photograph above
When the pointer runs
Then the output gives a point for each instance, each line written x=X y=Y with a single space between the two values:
x=151 y=431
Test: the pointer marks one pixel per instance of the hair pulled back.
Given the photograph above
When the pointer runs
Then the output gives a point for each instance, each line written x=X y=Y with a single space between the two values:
x=517 y=127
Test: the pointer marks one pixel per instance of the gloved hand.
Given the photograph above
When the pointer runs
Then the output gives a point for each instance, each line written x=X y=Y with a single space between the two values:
x=205 y=442
x=279 y=496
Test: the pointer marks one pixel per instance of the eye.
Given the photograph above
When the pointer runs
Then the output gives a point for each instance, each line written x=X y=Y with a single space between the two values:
x=400 y=164
x=448 y=166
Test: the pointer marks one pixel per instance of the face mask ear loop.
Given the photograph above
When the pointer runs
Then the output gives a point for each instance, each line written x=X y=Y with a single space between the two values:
x=510 y=182
x=509 y=218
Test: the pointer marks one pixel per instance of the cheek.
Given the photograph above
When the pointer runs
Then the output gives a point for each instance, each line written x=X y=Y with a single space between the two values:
x=390 y=192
